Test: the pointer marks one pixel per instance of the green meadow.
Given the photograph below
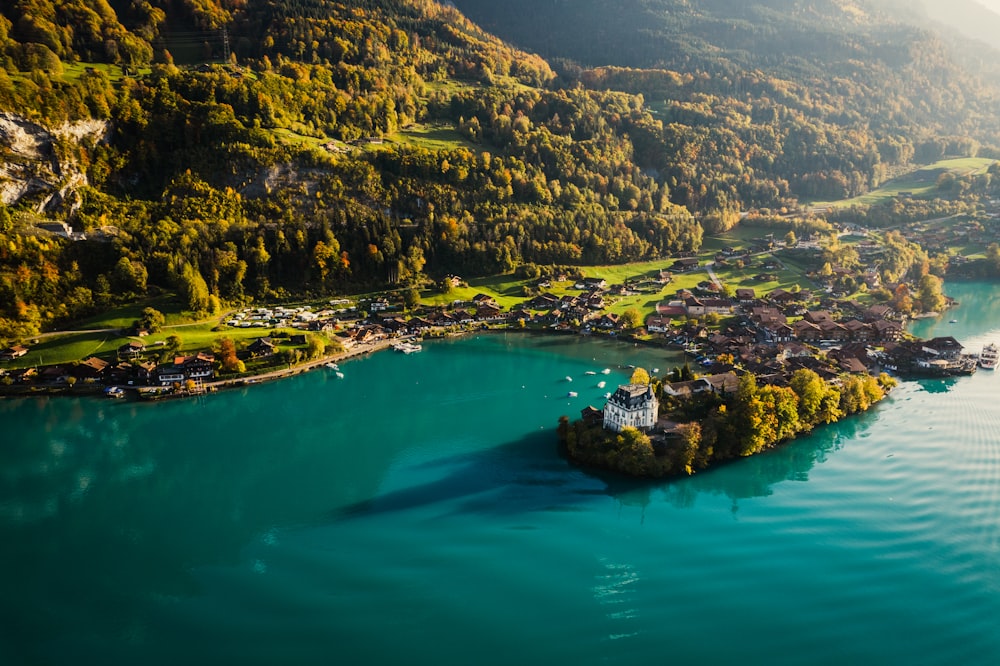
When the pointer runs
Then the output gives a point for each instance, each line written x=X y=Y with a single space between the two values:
x=919 y=183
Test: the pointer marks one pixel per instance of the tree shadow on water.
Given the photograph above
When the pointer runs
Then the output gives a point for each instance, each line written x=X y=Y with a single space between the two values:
x=519 y=477
x=530 y=476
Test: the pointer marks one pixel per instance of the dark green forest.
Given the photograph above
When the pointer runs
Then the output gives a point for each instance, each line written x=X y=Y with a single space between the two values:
x=262 y=150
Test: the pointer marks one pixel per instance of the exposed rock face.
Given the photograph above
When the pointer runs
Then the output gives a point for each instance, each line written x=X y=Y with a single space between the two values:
x=31 y=168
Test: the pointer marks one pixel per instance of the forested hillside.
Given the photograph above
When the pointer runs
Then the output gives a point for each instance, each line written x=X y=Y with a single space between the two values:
x=805 y=99
x=229 y=150
x=293 y=158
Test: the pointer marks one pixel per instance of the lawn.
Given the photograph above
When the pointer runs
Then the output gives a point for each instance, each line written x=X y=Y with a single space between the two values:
x=432 y=136
x=124 y=316
x=919 y=183
x=195 y=337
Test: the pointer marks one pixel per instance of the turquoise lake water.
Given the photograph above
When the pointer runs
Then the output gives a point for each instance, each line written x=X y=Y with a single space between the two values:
x=416 y=511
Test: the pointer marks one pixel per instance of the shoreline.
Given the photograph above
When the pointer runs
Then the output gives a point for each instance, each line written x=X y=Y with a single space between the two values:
x=134 y=393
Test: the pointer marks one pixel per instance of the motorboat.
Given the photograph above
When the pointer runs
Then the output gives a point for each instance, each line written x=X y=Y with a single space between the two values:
x=989 y=357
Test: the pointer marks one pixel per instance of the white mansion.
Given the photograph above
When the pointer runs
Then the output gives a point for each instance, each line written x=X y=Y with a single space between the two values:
x=632 y=405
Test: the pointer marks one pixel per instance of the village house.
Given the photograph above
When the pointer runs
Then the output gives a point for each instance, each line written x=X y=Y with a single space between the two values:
x=657 y=324
x=12 y=353
x=685 y=264
x=746 y=296
x=198 y=367
x=722 y=384
x=262 y=347
x=632 y=405
x=90 y=368
x=131 y=350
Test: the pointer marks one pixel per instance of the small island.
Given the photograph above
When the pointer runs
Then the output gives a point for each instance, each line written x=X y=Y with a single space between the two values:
x=672 y=428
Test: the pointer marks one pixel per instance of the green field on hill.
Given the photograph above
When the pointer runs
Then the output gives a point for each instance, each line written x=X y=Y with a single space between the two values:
x=919 y=183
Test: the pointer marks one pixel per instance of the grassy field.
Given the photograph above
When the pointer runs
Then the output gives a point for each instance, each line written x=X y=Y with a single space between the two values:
x=919 y=183
x=195 y=337
x=434 y=136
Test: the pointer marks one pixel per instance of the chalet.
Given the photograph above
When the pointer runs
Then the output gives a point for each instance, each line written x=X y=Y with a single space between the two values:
x=488 y=312
x=722 y=384
x=595 y=301
x=592 y=415
x=767 y=315
x=484 y=299
x=23 y=375
x=858 y=330
x=421 y=324
x=818 y=317
x=609 y=321
x=568 y=301
x=463 y=317
x=947 y=348
x=693 y=306
x=746 y=296
x=131 y=350
x=719 y=306
x=262 y=347
x=782 y=297
x=91 y=368
x=632 y=405
x=794 y=349
x=543 y=302
x=369 y=334
x=12 y=353
x=685 y=264
x=52 y=374
x=594 y=283
x=887 y=331
x=876 y=313
x=806 y=331
x=322 y=325
x=776 y=331
x=656 y=324
x=687 y=389
x=120 y=373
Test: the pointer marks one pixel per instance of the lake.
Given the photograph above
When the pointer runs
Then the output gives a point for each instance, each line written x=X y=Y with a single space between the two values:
x=416 y=511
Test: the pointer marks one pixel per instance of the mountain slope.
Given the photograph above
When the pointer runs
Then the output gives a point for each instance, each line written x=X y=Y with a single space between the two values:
x=340 y=146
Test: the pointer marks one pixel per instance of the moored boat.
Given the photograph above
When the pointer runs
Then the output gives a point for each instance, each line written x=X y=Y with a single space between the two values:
x=407 y=347
x=989 y=357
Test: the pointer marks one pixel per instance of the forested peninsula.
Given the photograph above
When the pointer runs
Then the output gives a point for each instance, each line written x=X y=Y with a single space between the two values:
x=697 y=431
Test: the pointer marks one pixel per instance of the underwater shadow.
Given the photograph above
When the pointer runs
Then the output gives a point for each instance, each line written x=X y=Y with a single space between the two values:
x=523 y=476
x=529 y=475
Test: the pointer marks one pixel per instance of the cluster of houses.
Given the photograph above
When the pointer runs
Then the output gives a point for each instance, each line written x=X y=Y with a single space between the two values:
x=129 y=368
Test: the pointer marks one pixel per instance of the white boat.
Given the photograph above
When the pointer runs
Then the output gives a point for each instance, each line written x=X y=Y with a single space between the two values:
x=114 y=392
x=606 y=371
x=407 y=347
x=989 y=357
x=590 y=372
x=568 y=378
x=571 y=394
x=340 y=375
x=655 y=370
x=601 y=384
x=332 y=365
x=607 y=396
